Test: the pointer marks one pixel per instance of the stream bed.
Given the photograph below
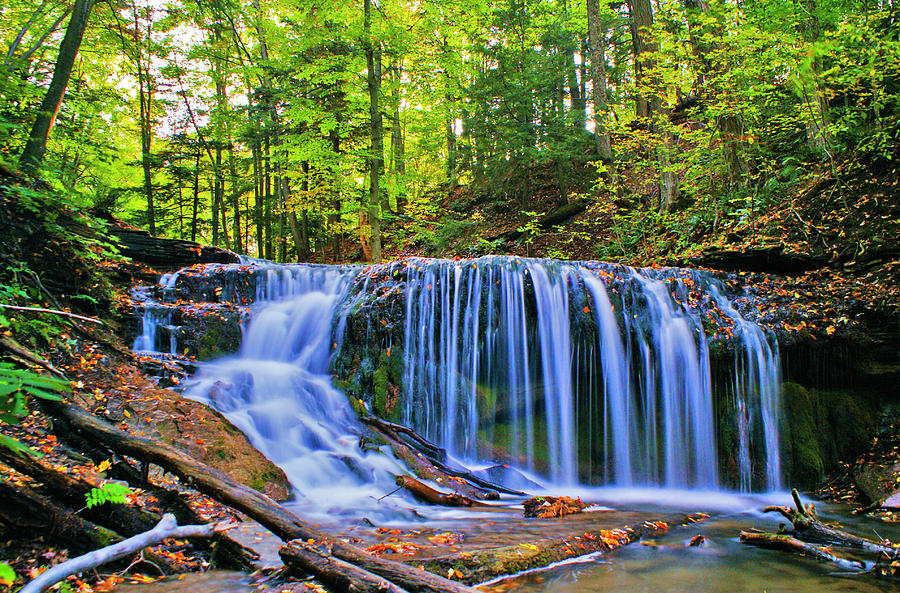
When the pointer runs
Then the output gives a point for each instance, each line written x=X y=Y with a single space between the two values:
x=666 y=564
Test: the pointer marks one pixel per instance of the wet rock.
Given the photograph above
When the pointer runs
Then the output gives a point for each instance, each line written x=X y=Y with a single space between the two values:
x=196 y=429
x=879 y=481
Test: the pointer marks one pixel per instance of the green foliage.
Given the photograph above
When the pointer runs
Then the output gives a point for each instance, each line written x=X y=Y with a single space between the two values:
x=16 y=384
x=7 y=575
x=111 y=493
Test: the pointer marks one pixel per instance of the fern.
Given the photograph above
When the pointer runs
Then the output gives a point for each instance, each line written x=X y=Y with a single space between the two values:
x=112 y=493
x=16 y=383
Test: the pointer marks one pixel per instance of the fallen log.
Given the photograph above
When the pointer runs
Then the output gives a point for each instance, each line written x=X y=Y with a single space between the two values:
x=71 y=490
x=808 y=528
x=434 y=455
x=166 y=528
x=429 y=495
x=478 y=566
x=256 y=505
x=783 y=541
x=312 y=558
x=22 y=511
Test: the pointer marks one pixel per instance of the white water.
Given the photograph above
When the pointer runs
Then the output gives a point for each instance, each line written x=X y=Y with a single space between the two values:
x=503 y=363
x=573 y=372
x=278 y=392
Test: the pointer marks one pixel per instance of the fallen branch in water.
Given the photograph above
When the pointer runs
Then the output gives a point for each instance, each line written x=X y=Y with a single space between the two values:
x=783 y=541
x=807 y=527
x=421 y=453
x=429 y=495
x=166 y=528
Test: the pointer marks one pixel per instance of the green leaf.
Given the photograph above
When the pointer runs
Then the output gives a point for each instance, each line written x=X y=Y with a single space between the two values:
x=7 y=575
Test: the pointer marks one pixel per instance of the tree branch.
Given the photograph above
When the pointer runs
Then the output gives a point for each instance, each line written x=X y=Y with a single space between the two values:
x=166 y=528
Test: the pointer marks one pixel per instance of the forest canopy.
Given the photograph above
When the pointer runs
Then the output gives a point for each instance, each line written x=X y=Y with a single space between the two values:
x=303 y=130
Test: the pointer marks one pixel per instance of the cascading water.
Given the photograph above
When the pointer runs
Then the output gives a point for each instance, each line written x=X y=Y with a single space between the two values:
x=582 y=372
x=579 y=372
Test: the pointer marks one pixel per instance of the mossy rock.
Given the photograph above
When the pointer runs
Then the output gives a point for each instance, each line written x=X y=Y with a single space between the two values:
x=823 y=428
x=804 y=456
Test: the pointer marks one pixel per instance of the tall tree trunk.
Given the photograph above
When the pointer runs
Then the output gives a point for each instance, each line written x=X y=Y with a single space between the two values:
x=597 y=43
x=196 y=201
x=730 y=124
x=235 y=198
x=376 y=158
x=640 y=24
x=145 y=96
x=334 y=216
x=267 y=201
x=398 y=158
x=33 y=153
x=815 y=106
x=214 y=207
x=258 y=189
x=641 y=27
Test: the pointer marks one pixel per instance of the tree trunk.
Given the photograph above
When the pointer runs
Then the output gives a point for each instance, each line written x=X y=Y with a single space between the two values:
x=195 y=206
x=650 y=101
x=481 y=565
x=33 y=154
x=376 y=158
x=316 y=559
x=730 y=125
x=23 y=511
x=597 y=36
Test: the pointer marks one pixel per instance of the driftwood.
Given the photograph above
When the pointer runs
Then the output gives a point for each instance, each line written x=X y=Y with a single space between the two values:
x=256 y=505
x=808 y=528
x=783 y=541
x=478 y=566
x=429 y=495
x=420 y=453
x=317 y=559
x=166 y=528
x=813 y=538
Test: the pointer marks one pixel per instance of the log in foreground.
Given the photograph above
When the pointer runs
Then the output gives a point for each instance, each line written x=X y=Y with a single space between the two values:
x=256 y=505
x=783 y=541
x=166 y=528
x=478 y=566
x=807 y=527
x=317 y=559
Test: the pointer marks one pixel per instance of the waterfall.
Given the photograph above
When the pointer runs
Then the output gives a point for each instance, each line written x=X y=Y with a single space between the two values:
x=580 y=372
